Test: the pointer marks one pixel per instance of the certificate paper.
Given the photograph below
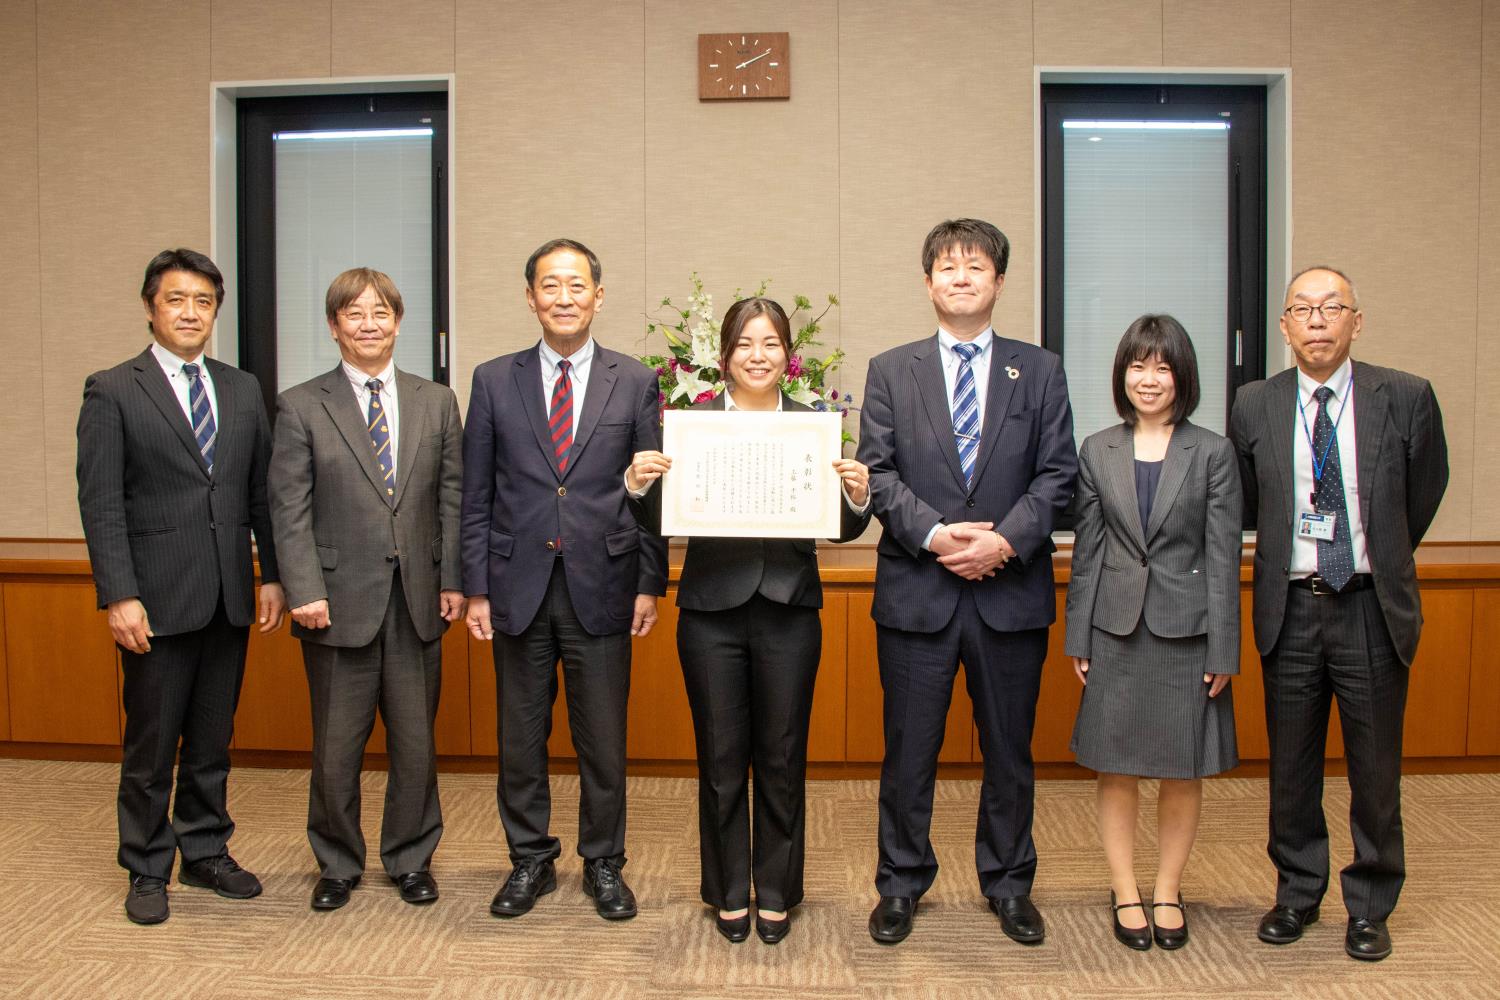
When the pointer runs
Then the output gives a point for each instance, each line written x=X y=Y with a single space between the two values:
x=751 y=474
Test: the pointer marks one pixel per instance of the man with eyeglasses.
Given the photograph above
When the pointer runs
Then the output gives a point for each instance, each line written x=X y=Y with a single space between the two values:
x=1343 y=467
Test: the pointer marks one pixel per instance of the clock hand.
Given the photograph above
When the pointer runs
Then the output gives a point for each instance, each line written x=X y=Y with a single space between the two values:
x=747 y=62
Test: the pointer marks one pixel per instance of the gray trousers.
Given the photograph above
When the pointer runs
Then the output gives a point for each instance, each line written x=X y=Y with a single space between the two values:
x=401 y=675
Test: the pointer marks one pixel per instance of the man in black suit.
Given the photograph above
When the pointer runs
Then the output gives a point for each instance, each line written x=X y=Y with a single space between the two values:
x=366 y=477
x=1343 y=467
x=555 y=567
x=172 y=455
x=969 y=441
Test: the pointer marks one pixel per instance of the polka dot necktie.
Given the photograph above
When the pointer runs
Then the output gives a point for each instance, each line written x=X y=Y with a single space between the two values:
x=1336 y=555
x=966 y=411
x=380 y=438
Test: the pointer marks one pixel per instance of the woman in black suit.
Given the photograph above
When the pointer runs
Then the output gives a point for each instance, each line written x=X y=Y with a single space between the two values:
x=749 y=639
x=1153 y=617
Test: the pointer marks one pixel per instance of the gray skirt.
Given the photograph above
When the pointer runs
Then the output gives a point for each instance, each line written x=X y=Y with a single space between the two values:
x=1146 y=711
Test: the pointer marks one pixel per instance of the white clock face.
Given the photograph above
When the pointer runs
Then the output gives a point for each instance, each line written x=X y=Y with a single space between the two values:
x=745 y=65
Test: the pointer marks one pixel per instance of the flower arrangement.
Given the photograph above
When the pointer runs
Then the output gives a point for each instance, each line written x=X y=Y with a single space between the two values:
x=689 y=372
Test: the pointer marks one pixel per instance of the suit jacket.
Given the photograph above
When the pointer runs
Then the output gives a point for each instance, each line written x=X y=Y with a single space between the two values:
x=340 y=532
x=1181 y=570
x=517 y=504
x=723 y=573
x=1402 y=467
x=160 y=527
x=1023 y=479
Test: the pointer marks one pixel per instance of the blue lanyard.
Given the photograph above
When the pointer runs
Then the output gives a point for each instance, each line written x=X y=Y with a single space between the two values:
x=1320 y=463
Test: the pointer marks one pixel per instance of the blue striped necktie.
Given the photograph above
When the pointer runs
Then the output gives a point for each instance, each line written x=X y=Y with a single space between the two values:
x=201 y=414
x=380 y=437
x=966 y=411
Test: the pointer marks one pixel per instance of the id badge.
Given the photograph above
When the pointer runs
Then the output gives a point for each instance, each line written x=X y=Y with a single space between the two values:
x=1317 y=526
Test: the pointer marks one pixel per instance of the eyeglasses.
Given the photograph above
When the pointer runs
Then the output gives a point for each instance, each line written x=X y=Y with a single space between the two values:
x=357 y=316
x=1302 y=312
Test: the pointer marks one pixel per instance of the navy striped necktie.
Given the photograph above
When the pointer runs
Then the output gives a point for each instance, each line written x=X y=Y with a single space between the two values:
x=380 y=437
x=201 y=414
x=966 y=411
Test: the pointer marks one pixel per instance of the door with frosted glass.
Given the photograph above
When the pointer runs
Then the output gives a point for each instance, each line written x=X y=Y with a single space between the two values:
x=1154 y=203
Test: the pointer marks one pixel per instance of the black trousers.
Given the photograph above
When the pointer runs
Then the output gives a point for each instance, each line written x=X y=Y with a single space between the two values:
x=182 y=692
x=401 y=675
x=596 y=674
x=1004 y=671
x=750 y=673
x=1336 y=646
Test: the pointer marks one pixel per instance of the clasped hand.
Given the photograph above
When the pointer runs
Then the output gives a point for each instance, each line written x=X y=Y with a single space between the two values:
x=971 y=549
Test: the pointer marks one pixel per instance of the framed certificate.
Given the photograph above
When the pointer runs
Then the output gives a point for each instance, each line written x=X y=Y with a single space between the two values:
x=751 y=474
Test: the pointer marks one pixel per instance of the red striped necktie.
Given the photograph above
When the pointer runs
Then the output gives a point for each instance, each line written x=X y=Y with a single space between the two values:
x=560 y=415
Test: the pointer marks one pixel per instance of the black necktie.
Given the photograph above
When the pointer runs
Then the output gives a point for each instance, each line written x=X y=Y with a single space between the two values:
x=1335 y=556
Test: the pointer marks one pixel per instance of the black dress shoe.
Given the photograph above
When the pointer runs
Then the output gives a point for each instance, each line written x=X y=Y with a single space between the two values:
x=772 y=931
x=528 y=880
x=1138 y=938
x=417 y=887
x=146 y=902
x=1170 y=938
x=612 y=897
x=332 y=893
x=1367 y=940
x=221 y=874
x=1019 y=919
x=1283 y=924
x=890 y=921
x=736 y=929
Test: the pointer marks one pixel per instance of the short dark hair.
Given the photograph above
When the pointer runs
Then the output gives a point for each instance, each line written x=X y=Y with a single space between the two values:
x=1158 y=336
x=966 y=234
x=552 y=246
x=352 y=284
x=742 y=312
x=181 y=259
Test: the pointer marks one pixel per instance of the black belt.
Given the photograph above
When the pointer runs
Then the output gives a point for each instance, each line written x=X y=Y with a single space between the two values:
x=1322 y=588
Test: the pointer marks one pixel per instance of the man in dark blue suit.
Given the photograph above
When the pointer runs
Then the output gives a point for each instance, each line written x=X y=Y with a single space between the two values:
x=969 y=441
x=555 y=567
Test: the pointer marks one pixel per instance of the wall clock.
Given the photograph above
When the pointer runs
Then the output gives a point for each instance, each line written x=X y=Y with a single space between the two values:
x=744 y=66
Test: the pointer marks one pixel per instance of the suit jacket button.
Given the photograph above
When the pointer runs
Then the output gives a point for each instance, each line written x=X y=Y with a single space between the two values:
x=390 y=558
x=970 y=502
x=562 y=491
x=1143 y=560
x=551 y=546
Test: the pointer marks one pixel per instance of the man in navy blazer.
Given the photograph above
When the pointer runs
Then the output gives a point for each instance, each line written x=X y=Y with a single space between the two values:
x=555 y=567
x=172 y=454
x=969 y=441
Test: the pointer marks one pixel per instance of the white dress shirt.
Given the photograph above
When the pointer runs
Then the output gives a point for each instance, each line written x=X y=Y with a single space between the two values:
x=980 y=367
x=171 y=366
x=388 y=405
x=581 y=360
x=1341 y=411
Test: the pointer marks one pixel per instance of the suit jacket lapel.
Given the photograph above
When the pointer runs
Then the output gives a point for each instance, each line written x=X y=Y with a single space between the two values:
x=602 y=378
x=343 y=410
x=411 y=415
x=927 y=369
x=529 y=391
x=1001 y=390
x=1369 y=424
x=1282 y=424
x=225 y=439
x=1174 y=471
x=1117 y=481
x=154 y=381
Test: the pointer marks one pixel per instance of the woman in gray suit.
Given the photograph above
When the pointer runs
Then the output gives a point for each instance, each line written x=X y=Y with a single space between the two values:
x=749 y=638
x=1153 y=617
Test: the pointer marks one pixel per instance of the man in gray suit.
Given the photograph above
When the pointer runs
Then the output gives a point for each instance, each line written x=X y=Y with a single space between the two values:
x=172 y=453
x=1343 y=467
x=366 y=481
x=969 y=440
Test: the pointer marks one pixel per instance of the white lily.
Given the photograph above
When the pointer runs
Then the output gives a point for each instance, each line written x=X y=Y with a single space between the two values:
x=690 y=385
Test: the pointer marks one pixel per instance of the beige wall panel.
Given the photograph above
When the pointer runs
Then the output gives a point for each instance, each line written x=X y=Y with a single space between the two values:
x=925 y=136
x=742 y=190
x=1226 y=32
x=549 y=143
x=1392 y=197
x=391 y=37
x=24 y=512
x=1099 y=33
x=123 y=153
x=1486 y=490
x=271 y=39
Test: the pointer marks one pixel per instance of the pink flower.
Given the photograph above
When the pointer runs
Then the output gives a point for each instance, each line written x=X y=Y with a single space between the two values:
x=833 y=394
x=704 y=396
x=794 y=366
x=661 y=398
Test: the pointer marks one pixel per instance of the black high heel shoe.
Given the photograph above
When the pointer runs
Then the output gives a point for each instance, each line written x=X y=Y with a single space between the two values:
x=772 y=931
x=736 y=929
x=1171 y=938
x=1137 y=938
